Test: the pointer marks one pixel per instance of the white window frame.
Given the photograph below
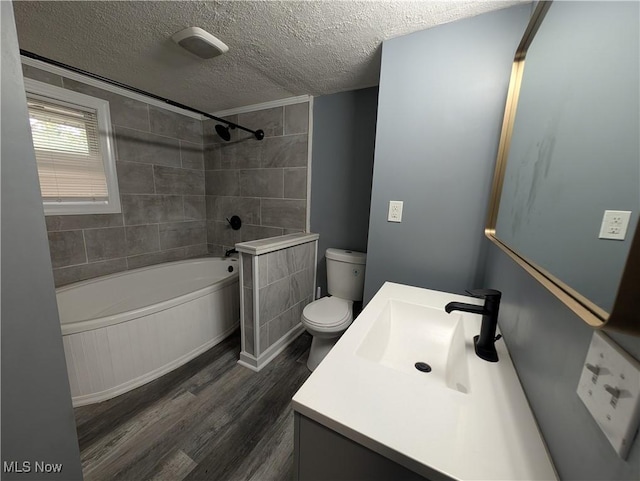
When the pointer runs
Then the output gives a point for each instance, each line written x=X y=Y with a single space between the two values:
x=64 y=96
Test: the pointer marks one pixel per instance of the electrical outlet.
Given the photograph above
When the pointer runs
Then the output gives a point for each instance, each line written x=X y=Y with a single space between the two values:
x=395 y=211
x=614 y=224
x=610 y=389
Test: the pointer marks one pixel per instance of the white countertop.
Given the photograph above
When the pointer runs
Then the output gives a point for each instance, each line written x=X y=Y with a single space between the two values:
x=488 y=433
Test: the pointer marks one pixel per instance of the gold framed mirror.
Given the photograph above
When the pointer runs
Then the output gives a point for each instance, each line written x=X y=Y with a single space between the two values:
x=570 y=150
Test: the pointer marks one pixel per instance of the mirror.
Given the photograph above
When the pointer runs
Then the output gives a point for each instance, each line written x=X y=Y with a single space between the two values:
x=569 y=151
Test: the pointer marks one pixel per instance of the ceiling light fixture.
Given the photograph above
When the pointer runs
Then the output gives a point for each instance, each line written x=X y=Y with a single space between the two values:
x=200 y=42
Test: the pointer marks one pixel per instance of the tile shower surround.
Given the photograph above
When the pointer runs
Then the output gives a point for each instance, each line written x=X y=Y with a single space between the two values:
x=265 y=182
x=165 y=214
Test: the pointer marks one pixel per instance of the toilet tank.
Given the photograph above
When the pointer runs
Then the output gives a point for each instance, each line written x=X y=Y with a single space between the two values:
x=345 y=273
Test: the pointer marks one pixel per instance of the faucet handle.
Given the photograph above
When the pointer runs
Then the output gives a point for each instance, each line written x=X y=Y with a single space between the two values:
x=485 y=293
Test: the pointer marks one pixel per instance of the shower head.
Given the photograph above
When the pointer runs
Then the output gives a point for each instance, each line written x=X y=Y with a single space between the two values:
x=223 y=132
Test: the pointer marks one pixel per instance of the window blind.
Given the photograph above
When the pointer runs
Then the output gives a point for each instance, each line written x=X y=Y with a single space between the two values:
x=67 y=146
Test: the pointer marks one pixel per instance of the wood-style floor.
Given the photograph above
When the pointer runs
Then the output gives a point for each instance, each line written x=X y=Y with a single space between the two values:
x=210 y=419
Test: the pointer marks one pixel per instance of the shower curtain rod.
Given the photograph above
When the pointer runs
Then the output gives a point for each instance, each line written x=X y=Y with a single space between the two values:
x=259 y=134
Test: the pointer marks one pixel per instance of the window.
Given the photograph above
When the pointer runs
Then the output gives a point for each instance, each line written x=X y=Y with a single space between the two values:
x=74 y=151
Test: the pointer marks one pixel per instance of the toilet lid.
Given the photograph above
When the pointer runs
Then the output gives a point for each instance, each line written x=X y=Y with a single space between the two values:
x=327 y=312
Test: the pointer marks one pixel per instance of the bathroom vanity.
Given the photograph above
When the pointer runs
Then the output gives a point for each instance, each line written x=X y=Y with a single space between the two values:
x=368 y=413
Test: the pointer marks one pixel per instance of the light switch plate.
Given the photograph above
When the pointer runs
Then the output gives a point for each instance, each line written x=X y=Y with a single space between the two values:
x=614 y=224
x=395 y=211
x=608 y=369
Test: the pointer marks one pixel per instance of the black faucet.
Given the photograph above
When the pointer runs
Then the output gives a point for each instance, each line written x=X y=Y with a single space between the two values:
x=484 y=343
x=230 y=251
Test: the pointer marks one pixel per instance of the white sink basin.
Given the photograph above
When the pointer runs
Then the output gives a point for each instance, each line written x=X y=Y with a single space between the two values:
x=405 y=334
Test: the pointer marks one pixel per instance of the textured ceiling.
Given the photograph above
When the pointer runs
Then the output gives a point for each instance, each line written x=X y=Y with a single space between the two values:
x=276 y=49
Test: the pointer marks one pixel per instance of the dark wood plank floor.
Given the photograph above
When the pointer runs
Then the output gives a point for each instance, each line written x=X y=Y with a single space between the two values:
x=210 y=419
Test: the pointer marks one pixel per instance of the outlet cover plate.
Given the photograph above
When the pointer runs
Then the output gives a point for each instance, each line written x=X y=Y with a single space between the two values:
x=618 y=419
x=395 y=211
x=614 y=224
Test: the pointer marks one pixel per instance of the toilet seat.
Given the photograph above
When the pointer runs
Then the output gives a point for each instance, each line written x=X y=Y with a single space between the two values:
x=328 y=314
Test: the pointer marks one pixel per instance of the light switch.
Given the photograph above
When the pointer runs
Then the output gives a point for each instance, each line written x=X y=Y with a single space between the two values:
x=610 y=389
x=614 y=224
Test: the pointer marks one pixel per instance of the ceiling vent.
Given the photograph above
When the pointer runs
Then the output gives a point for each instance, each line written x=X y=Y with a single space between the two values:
x=200 y=42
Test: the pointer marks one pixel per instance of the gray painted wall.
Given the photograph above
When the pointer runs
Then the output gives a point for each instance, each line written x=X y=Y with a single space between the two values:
x=440 y=108
x=37 y=417
x=574 y=150
x=548 y=345
x=344 y=127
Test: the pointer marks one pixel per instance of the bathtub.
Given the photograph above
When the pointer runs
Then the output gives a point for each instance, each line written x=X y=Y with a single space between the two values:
x=126 y=329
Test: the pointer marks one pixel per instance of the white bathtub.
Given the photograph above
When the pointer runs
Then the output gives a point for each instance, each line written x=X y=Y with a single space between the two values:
x=124 y=330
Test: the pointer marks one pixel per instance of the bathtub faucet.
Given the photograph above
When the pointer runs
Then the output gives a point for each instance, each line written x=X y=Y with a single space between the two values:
x=485 y=342
x=230 y=251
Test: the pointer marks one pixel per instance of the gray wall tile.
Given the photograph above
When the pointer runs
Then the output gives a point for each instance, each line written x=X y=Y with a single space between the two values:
x=169 y=180
x=279 y=326
x=292 y=231
x=301 y=285
x=181 y=234
x=197 y=250
x=103 y=244
x=269 y=120
x=146 y=209
x=247 y=270
x=300 y=257
x=295 y=183
x=138 y=146
x=264 y=338
x=274 y=299
x=172 y=124
x=222 y=182
x=86 y=221
x=255 y=232
x=248 y=321
x=277 y=265
x=283 y=212
x=142 y=239
x=290 y=151
x=221 y=233
x=262 y=270
x=191 y=155
x=215 y=250
x=194 y=207
x=221 y=208
x=155 y=258
x=124 y=111
x=135 y=178
x=262 y=183
x=296 y=118
x=69 y=275
x=212 y=156
x=67 y=248
x=246 y=155
x=41 y=75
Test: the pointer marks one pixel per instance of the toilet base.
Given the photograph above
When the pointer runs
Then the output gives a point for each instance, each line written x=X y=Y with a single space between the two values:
x=320 y=347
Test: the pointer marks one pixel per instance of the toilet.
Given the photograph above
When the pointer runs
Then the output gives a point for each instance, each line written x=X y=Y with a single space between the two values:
x=327 y=318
